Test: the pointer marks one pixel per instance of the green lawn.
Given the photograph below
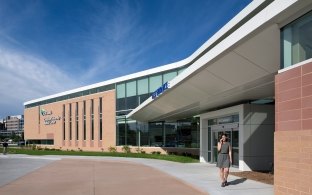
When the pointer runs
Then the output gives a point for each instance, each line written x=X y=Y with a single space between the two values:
x=174 y=158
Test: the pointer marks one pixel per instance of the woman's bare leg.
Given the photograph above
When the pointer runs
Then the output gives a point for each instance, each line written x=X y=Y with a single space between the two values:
x=226 y=173
x=222 y=174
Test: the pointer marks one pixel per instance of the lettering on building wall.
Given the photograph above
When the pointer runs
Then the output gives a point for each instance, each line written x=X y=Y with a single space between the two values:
x=49 y=120
x=160 y=90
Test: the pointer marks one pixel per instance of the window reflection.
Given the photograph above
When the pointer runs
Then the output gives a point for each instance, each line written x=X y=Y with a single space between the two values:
x=297 y=41
x=156 y=134
x=184 y=133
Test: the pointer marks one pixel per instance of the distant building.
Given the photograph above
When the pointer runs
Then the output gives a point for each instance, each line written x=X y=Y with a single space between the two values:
x=2 y=127
x=15 y=123
x=12 y=124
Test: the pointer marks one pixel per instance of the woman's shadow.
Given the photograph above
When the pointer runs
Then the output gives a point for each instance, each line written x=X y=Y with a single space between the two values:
x=237 y=181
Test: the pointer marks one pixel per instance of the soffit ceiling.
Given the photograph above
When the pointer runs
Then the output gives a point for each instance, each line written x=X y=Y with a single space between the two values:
x=246 y=72
x=242 y=72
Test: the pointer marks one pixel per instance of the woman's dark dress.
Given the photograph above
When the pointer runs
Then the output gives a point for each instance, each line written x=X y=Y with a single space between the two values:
x=223 y=156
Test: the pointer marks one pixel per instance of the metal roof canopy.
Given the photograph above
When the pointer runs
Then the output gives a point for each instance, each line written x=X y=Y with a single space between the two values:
x=239 y=68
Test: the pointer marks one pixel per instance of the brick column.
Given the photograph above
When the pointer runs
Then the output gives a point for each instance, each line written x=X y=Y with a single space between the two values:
x=293 y=131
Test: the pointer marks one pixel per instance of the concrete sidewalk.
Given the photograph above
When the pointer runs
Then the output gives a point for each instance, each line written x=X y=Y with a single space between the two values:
x=198 y=177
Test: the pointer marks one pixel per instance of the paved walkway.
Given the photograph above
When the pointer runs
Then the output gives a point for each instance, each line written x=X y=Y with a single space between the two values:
x=22 y=174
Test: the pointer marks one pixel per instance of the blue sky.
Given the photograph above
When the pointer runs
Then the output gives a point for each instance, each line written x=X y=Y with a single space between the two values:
x=49 y=46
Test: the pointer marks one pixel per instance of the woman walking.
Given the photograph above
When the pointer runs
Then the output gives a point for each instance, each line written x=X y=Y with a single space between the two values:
x=224 y=159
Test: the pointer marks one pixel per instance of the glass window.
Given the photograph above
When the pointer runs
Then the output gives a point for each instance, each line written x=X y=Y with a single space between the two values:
x=121 y=132
x=131 y=133
x=132 y=102
x=70 y=122
x=41 y=142
x=121 y=91
x=101 y=104
x=101 y=128
x=155 y=83
x=122 y=113
x=64 y=132
x=77 y=130
x=212 y=122
x=235 y=139
x=93 y=91
x=131 y=88
x=143 y=86
x=142 y=98
x=84 y=121
x=92 y=119
x=101 y=122
x=170 y=135
x=209 y=138
x=143 y=134
x=86 y=92
x=188 y=133
x=297 y=41
x=181 y=70
x=156 y=137
x=121 y=104
x=169 y=76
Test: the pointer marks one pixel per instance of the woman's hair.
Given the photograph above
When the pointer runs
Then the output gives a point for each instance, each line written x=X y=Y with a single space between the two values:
x=226 y=137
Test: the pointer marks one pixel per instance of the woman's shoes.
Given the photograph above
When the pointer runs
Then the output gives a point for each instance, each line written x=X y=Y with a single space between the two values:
x=225 y=183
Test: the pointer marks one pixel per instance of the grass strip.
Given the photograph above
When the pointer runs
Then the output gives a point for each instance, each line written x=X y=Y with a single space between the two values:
x=174 y=158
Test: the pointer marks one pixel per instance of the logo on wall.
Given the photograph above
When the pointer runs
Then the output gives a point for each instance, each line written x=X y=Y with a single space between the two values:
x=49 y=120
x=160 y=90
x=45 y=113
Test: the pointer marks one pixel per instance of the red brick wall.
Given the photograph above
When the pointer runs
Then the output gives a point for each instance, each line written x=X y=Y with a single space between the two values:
x=293 y=131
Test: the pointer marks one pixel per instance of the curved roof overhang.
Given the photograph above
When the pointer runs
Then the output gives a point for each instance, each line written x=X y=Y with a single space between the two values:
x=239 y=68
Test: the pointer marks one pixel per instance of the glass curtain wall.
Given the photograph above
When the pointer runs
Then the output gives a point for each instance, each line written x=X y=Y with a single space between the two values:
x=126 y=132
x=170 y=135
x=156 y=134
x=121 y=131
x=143 y=134
x=188 y=133
x=297 y=41
x=183 y=134
x=130 y=94
x=121 y=97
x=142 y=90
x=131 y=133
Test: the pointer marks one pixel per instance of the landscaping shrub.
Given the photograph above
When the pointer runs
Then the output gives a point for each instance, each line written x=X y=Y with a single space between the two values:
x=112 y=149
x=126 y=149
x=140 y=150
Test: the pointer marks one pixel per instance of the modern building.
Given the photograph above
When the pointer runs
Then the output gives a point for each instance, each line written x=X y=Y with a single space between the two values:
x=252 y=80
x=2 y=128
x=12 y=125
x=15 y=123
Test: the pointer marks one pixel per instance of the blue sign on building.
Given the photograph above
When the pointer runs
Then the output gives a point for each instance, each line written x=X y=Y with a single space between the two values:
x=160 y=90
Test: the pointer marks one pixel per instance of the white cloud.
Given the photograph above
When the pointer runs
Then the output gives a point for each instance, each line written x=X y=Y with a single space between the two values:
x=25 y=77
x=118 y=40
